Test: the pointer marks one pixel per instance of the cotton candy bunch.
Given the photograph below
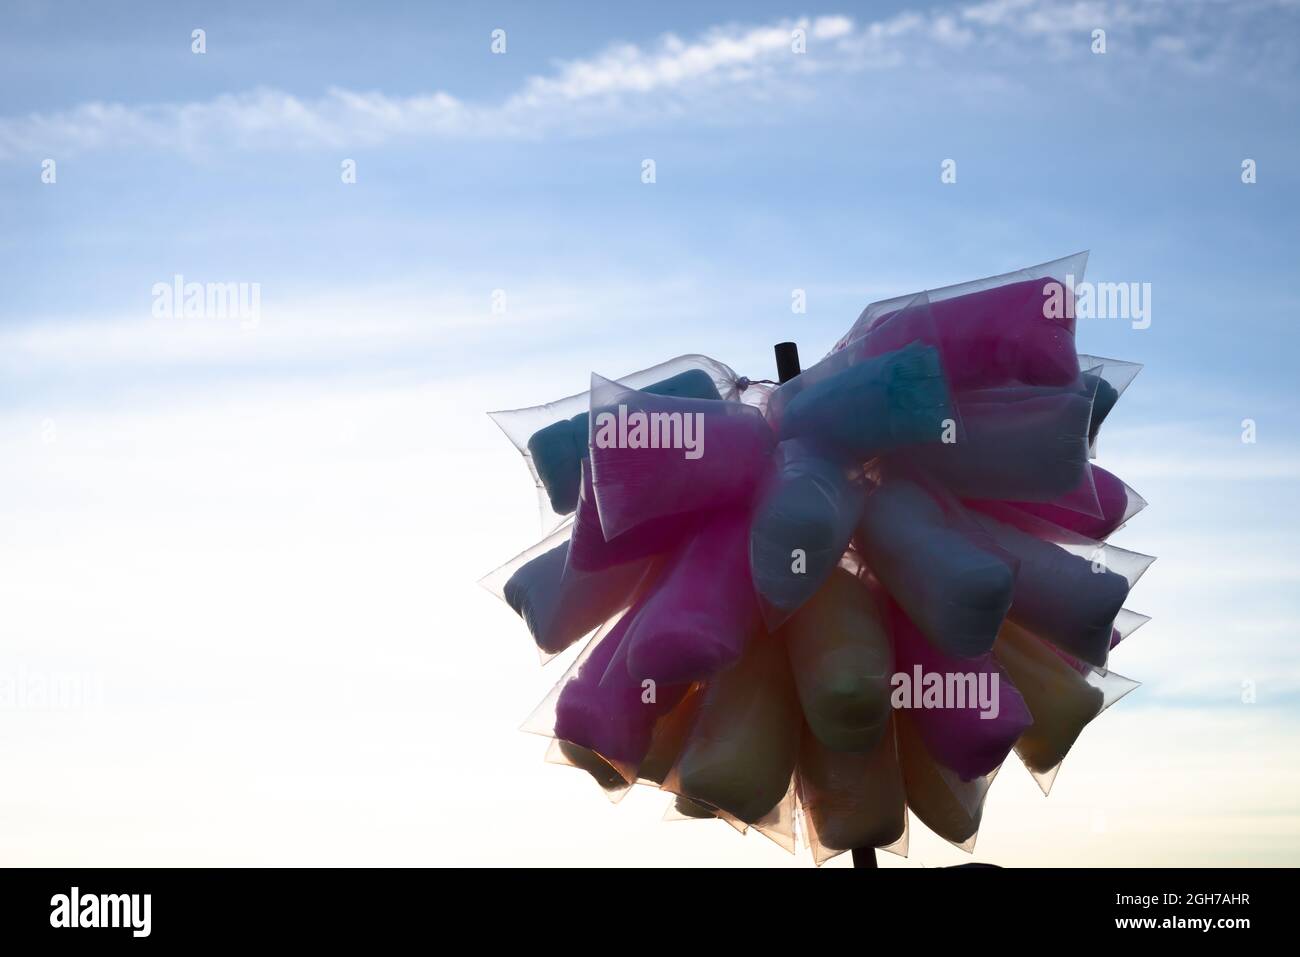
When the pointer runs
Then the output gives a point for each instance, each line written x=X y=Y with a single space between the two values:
x=811 y=607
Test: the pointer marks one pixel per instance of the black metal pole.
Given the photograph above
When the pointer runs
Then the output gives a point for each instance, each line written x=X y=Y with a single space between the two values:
x=787 y=367
x=864 y=857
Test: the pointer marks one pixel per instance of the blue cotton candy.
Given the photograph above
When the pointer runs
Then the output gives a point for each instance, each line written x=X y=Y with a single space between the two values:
x=1021 y=443
x=896 y=399
x=560 y=605
x=956 y=592
x=1103 y=401
x=801 y=527
x=558 y=450
x=1068 y=600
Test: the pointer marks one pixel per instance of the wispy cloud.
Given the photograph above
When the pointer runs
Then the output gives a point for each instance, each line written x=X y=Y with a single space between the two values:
x=721 y=55
x=627 y=83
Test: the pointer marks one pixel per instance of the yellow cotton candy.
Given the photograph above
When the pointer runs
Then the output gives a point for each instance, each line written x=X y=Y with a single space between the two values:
x=669 y=739
x=601 y=770
x=854 y=799
x=688 y=808
x=741 y=751
x=1059 y=698
x=929 y=795
x=841 y=661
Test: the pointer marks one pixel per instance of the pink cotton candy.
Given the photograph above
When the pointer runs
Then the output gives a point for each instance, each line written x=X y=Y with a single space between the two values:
x=960 y=738
x=1009 y=333
x=703 y=611
x=655 y=457
x=603 y=708
x=1113 y=501
x=588 y=550
x=1116 y=502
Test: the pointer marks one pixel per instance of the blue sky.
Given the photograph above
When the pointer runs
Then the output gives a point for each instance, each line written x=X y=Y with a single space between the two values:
x=330 y=474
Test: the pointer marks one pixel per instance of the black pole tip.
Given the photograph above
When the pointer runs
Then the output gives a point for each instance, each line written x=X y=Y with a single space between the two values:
x=787 y=361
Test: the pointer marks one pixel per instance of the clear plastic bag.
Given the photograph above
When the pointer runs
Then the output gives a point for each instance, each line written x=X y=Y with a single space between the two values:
x=607 y=777
x=541 y=721
x=588 y=549
x=699 y=617
x=1069 y=590
x=604 y=708
x=842 y=662
x=558 y=604
x=599 y=718
x=1017 y=327
x=1021 y=443
x=802 y=525
x=968 y=712
x=740 y=754
x=1065 y=695
x=553 y=437
x=878 y=393
x=1113 y=687
x=950 y=807
x=1126 y=622
x=1116 y=503
x=852 y=799
x=655 y=457
x=669 y=738
x=1113 y=377
x=873 y=406
x=1059 y=697
x=777 y=825
x=952 y=581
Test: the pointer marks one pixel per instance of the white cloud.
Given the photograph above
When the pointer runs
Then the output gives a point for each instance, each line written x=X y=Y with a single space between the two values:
x=722 y=66
x=627 y=68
